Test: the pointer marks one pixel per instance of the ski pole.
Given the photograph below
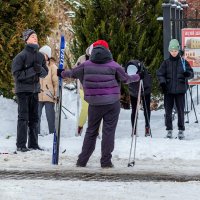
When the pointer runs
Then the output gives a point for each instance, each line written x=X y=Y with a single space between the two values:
x=8 y=153
x=192 y=104
x=64 y=114
x=145 y=105
x=68 y=110
x=190 y=91
x=49 y=90
x=62 y=105
x=197 y=94
x=131 y=164
x=48 y=94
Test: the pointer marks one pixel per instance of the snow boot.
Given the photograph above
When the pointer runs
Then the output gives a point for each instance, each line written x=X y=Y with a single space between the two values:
x=110 y=165
x=23 y=149
x=80 y=165
x=147 y=131
x=181 y=135
x=169 y=134
x=36 y=148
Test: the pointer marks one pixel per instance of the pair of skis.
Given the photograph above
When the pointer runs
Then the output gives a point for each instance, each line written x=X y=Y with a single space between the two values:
x=56 y=137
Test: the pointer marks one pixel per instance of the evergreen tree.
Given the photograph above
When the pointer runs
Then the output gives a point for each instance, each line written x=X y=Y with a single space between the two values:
x=129 y=26
x=150 y=45
x=15 y=17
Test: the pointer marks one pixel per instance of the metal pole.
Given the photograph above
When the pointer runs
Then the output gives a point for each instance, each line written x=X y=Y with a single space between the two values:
x=192 y=104
x=178 y=27
x=197 y=94
x=181 y=26
x=191 y=99
x=133 y=134
x=181 y=22
x=166 y=27
x=173 y=23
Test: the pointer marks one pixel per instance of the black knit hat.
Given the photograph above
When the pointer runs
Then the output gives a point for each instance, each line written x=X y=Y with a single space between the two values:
x=27 y=33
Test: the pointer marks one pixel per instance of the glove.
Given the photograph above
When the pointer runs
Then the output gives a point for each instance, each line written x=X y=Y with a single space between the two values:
x=186 y=74
x=163 y=87
x=59 y=71
x=37 y=68
x=141 y=74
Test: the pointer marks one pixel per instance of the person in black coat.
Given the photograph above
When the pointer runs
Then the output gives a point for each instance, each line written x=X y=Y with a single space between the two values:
x=27 y=67
x=173 y=76
x=145 y=94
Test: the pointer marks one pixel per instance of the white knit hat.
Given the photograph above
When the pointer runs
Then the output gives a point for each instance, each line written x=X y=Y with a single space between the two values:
x=46 y=50
x=90 y=49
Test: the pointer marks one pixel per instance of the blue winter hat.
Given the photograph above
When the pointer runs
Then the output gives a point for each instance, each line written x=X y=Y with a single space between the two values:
x=174 y=45
x=27 y=33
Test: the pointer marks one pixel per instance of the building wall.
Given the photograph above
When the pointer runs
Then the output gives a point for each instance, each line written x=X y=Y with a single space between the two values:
x=193 y=11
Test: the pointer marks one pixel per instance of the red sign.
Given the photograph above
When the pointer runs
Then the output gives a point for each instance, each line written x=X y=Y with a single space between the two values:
x=191 y=44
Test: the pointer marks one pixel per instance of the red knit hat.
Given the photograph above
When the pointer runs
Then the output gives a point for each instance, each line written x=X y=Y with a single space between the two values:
x=102 y=43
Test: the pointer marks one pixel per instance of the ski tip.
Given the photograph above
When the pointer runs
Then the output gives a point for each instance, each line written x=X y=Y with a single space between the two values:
x=62 y=42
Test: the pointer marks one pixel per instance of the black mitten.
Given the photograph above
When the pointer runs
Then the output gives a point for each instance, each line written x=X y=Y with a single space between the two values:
x=59 y=71
x=141 y=74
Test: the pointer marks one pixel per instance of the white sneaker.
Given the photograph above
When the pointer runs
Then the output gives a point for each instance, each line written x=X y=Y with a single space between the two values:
x=169 y=134
x=181 y=135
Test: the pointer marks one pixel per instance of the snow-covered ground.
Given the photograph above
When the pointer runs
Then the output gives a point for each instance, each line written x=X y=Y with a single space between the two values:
x=79 y=190
x=156 y=154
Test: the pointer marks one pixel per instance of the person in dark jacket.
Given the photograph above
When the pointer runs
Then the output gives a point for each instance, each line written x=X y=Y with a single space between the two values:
x=173 y=76
x=27 y=67
x=145 y=94
x=99 y=77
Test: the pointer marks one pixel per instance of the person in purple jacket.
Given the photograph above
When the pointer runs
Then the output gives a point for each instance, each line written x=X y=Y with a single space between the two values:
x=100 y=77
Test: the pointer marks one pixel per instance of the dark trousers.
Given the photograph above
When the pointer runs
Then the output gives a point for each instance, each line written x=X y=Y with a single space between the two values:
x=146 y=106
x=50 y=115
x=109 y=114
x=27 y=120
x=179 y=100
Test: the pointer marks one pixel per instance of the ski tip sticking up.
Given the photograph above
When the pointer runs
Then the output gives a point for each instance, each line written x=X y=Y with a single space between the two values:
x=62 y=42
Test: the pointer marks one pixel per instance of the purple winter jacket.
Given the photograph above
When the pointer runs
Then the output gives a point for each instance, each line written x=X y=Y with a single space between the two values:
x=100 y=77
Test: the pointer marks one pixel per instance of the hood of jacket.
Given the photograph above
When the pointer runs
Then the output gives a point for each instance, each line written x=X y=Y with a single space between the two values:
x=100 y=55
x=137 y=63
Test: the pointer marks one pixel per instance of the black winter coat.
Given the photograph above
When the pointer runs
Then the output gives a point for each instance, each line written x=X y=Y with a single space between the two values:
x=147 y=83
x=26 y=79
x=171 y=72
